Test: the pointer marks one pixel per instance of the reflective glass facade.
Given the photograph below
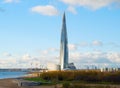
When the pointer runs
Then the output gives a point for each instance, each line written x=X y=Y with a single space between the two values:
x=64 y=45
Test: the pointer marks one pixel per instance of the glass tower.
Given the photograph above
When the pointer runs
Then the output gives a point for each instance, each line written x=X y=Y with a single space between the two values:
x=64 y=45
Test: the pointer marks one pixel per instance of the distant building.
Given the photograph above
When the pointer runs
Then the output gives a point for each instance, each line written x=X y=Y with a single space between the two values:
x=71 y=66
x=64 y=48
x=53 y=67
x=64 y=65
x=109 y=69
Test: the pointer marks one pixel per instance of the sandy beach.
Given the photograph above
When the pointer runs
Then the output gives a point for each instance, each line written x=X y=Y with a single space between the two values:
x=8 y=83
x=11 y=83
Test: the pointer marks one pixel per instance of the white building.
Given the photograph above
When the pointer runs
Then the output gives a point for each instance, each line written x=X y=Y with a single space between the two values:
x=53 y=67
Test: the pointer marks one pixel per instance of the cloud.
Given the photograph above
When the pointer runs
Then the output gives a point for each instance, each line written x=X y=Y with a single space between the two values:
x=49 y=51
x=102 y=60
x=72 y=47
x=97 y=43
x=45 y=52
x=79 y=58
x=51 y=55
x=48 y=10
x=91 y=4
x=53 y=49
x=26 y=57
x=9 y=62
x=7 y=54
x=115 y=45
x=114 y=57
x=11 y=1
x=72 y=10
x=95 y=57
x=84 y=44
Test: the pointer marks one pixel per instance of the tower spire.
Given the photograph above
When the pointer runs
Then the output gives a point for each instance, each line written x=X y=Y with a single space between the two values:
x=64 y=45
x=64 y=18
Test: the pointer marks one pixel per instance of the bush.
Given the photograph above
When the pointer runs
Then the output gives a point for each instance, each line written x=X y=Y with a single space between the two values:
x=85 y=76
x=66 y=85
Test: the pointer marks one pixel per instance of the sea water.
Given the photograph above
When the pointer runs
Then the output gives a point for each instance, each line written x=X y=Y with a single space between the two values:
x=12 y=74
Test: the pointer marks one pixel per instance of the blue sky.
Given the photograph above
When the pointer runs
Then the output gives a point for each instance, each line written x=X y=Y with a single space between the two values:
x=30 y=32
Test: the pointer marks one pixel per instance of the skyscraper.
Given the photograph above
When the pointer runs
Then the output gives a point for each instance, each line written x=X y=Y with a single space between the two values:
x=64 y=45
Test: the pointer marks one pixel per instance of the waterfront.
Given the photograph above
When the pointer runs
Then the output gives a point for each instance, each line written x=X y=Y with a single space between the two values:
x=9 y=77
x=12 y=74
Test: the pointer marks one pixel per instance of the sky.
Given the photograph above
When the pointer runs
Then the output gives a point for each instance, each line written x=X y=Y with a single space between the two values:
x=30 y=32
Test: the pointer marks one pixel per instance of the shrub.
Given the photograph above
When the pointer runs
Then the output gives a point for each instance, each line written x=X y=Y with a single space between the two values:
x=66 y=85
x=79 y=75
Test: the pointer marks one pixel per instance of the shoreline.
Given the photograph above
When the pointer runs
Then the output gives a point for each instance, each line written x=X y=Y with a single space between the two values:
x=25 y=75
x=14 y=82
